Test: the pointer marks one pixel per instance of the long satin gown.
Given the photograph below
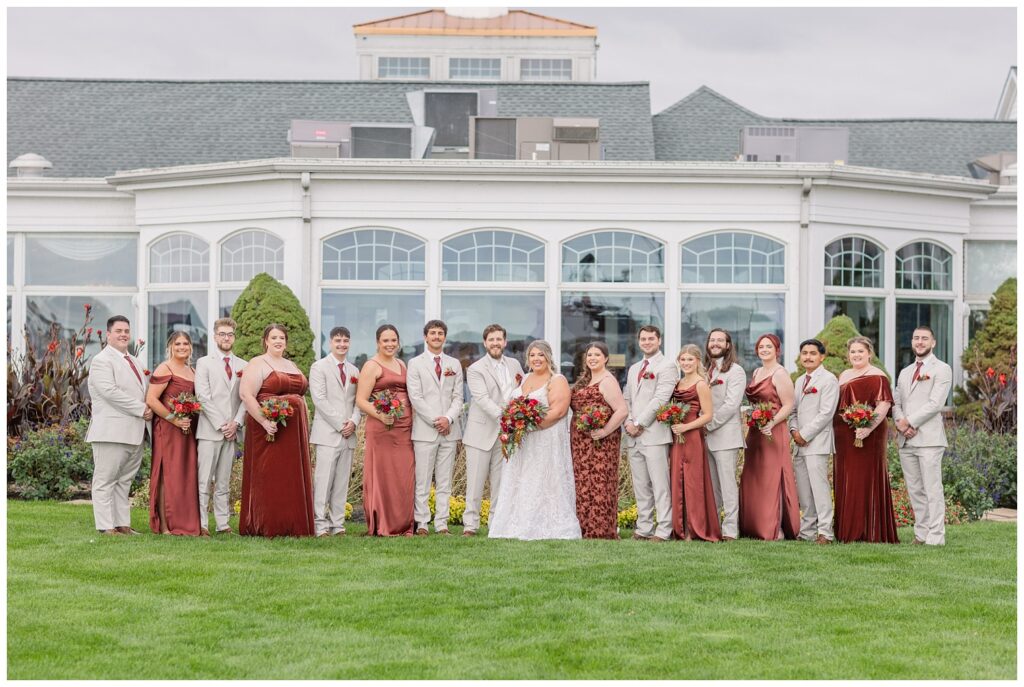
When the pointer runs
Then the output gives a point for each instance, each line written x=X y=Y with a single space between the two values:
x=389 y=466
x=174 y=478
x=863 y=510
x=694 y=513
x=768 y=499
x=277 y=484
x=595 y=468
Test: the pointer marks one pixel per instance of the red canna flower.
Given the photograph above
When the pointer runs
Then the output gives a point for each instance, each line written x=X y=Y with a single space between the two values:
x=79 y=351
x=990 y=372
x=52 y=346
x=1002 y=379
x=87 y=306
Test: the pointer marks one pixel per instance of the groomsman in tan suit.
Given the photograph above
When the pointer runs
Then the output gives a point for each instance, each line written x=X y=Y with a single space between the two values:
x=217 y=378
x=918 y=399
x=491 y=381
x=332 y=384
x=724 y=436
x=810 y=426
x=118 y=427
x=649 y=385
x=434 y=382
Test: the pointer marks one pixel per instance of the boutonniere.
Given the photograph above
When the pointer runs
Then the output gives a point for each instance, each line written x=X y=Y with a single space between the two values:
x=647 y=375
x=449 y=372
x=238 y=374
x=146 y=372
x=717 y=382
x=353 y=380
x=812 y=390
x=923 y=378
x=519 y=378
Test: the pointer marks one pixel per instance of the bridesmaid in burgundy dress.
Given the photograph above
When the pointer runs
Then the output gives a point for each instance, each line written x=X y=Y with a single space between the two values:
x=595 y=465
x=277 y=484
x=768 y=500
x=863 y=497
x=694 y=513
x=174 y=478
x=389 y=464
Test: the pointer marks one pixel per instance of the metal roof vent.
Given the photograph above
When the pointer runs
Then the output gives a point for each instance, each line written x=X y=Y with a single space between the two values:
x=30 y=165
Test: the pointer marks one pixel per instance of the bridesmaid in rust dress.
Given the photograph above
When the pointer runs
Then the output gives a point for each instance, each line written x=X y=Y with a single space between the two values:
x=277 y=485
x=863 y=497
x=174 y=478
x=768 y=500
x=595 y=465
x=389 y=464
x=694 y=513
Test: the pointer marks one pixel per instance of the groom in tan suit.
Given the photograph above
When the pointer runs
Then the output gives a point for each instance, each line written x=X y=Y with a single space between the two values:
x=434 y=382
x=118 y=427
x=649 y=385
x=918 y=399
x=217 y=378
x=491 y=381
x=332 y=384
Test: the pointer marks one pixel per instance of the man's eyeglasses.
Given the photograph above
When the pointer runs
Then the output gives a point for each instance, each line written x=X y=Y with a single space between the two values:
x=225 y=335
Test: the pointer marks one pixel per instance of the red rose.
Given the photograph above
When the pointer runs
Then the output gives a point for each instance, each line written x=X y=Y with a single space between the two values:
x=275 y=413
x=145 y=372
x=238 y=374
x=395 y=403
x=813 y=390
x=353 y=379
x=178 y=407
x=756 y=415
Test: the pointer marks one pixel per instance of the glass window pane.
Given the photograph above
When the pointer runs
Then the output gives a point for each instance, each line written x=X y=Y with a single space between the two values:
x=745 y=316
x=936 y=314
x=363 y=311
x=467 y=313
x=925 y=266
x=80 y=260
x=545 y=70
x=176 y=311
x=987 y=265
x=500 y=250
x=68 y=312
x=634 y=258
x=733 y=258
x=403 y=67
x=610 y=317
x=377 y=254
x=226 y=300
x=868 y=315
x=180 y=258
x=853 y=261
x=245 y=255
x=474 y=68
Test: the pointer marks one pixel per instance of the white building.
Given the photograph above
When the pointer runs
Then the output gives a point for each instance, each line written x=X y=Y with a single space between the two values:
x=476 y=44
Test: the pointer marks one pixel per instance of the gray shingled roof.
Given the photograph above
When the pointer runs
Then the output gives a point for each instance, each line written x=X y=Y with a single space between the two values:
x=705 y=125
x=92 y=128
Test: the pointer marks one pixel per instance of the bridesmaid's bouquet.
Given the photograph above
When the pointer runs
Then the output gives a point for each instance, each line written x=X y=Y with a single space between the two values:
x=593 y=417
x=761 y=415
x=858 y=416
x=277 y=410
x=672 y=414
x=386 y=403
x=183 y=405
x=520 y=416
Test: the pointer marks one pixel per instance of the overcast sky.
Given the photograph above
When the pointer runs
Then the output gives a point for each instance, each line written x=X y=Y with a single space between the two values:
x=800 y=62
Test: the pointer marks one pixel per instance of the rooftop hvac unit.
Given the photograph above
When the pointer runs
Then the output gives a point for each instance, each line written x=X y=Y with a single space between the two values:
x=575 y=130
x=794 y=144
x=316 y=139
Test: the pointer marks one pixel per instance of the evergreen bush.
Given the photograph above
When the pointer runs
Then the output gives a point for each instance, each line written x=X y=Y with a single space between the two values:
x=989 y=396
x=267 y=300
x=836 y=333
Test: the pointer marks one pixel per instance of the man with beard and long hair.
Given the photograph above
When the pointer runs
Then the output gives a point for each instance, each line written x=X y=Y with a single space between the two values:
x=725 y=431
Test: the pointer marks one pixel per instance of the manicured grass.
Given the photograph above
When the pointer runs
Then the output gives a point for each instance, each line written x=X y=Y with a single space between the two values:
x=83 y=606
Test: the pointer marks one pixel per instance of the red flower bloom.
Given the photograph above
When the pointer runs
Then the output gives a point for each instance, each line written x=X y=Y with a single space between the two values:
x=352 y=380
x=519 y=378
x=146 y=372
x=79 y=351
x=178 y=407
x=141 y=342
x=1002 y=379
x=990 y=372
x=52 y=347
x=238 y=374
x=87 y=306
x=89 y=331
x=813 y=390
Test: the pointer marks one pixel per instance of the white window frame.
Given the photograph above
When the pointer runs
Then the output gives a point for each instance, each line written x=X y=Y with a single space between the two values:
x=524 y=77
x=403 y=76
x=476 y=76
x=209 y=286
x=222 y=284
x=883 y=293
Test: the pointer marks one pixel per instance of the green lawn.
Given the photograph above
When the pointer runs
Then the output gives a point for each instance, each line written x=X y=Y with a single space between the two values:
x=83 y=606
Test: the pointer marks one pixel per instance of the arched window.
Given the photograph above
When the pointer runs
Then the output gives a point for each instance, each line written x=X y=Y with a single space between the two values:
x=492 y=255
x=733 y=258
x=853 y=261
x=613 y=256
x=249 y=253
x=373 y=254
x=179 y=259
x=924 y=266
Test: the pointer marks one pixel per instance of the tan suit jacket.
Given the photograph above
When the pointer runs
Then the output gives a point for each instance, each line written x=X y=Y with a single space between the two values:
x=432 y=397
x=725 y=431
x=645 y=396
x=920 y=402
x=813 y=412
x=487 y=402
x=218 y=394
x=118 y=399
x=334 y=402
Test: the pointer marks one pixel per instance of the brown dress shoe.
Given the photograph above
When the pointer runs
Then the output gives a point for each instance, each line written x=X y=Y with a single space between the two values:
x=469 y=533
x=110 y=532
x=823 y=540
x=728 y=538
x=422 y=532
x=323 y=534
x=657 y=540
x=203 y=532
x=340 y=533
x=444 y=532
x=639 y=537
x=917 y=541
x=226 y=530
x=126 y=530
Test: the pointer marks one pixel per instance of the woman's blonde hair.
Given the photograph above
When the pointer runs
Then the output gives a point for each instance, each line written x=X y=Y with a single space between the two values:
x=174 y=336
x=694 y=350
x=861 y=340
x=545 y=348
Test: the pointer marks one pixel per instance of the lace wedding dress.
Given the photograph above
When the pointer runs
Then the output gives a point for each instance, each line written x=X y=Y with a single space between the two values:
x=537 y=496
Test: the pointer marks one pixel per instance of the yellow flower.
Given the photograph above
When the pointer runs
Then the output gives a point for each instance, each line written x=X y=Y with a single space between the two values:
x=238 y=506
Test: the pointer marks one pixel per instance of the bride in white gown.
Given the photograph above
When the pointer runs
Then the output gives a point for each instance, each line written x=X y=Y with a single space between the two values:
x=537 y=495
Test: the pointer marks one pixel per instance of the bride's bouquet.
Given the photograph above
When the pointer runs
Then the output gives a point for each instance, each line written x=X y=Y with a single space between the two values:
x=520 y=416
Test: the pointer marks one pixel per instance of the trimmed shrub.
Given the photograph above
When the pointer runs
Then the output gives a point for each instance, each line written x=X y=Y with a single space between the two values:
x=267 y=300
x=836 y=333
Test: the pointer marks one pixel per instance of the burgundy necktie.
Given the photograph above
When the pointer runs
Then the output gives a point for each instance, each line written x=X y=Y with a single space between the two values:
x=437 y=366
x=643 y=368
x=917 y=371
x=227 y=367
x=341 y=369
x=134 y=369
x=807 y=380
